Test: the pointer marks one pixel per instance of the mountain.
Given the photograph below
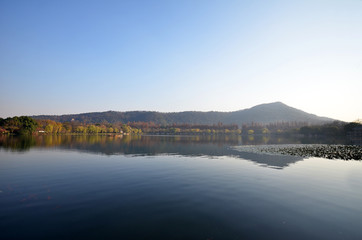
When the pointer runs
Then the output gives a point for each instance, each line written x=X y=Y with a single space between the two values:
x=264 y=113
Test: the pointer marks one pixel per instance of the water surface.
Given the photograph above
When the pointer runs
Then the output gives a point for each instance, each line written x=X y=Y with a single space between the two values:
x=172 y=188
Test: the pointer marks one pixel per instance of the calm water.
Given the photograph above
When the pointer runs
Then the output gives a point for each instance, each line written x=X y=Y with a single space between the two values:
x=172 y=188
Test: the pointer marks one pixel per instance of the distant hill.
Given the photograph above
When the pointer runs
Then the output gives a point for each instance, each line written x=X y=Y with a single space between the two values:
x=264 y=113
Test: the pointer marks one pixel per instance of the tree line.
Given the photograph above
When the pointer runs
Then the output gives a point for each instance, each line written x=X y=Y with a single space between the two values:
x=28 y=125
x=153 y=128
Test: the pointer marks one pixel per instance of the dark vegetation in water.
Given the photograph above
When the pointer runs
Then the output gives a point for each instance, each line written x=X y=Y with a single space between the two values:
x=345 y=152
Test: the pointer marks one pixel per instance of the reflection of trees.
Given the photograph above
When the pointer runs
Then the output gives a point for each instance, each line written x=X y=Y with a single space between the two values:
x=137 y=144
x=132 y=144
x=19 y=143
x=210 y=145
x=119 y=143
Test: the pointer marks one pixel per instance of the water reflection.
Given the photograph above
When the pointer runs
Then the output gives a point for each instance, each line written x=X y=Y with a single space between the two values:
x=210 y=146
x=93 y=196
x=124 y=144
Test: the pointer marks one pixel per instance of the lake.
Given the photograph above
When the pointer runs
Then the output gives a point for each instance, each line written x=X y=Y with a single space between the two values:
x=172 y=187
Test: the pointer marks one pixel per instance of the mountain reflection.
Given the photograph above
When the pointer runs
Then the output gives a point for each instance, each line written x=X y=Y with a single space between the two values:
x=210 y=146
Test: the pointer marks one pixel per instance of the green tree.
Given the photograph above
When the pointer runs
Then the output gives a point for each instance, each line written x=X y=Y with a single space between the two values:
x=27 y=125
x=49 y=128
x=126 y=128
x=81 y=129
x=92 y=129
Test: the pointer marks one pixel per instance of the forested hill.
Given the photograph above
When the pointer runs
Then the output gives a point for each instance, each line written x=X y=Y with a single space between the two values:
x=264 y=113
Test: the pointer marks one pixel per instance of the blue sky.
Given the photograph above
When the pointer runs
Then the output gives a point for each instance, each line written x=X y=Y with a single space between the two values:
x=60 y=57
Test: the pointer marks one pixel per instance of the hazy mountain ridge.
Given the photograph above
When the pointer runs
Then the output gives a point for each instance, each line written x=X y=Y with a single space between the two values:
x=263 y=113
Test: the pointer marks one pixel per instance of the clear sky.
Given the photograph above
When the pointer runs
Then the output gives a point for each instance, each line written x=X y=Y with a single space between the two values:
x=60 y=57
